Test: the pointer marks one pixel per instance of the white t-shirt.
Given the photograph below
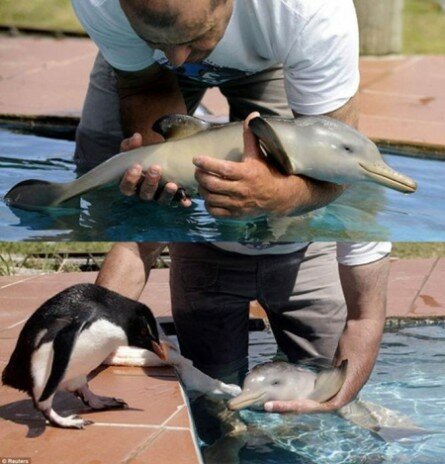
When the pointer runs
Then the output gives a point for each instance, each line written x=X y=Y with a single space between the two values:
x=316 y=41
x=348 y=253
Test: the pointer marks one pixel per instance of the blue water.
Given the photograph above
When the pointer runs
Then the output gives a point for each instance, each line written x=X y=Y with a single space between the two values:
x=365 y=212
x=409 y=377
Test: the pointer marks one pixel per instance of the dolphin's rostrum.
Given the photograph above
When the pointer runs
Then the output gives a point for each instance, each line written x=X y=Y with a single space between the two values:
x=318 y=147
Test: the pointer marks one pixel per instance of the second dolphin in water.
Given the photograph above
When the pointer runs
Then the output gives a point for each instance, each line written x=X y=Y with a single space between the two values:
x=319 y=147
x=280 y=381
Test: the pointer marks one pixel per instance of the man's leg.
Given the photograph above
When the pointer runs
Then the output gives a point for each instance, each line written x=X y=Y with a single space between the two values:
x=306 y=307
x=211 y=290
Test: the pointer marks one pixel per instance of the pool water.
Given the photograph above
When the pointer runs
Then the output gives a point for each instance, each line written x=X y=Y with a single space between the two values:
x=409 y=377
x=365 y=212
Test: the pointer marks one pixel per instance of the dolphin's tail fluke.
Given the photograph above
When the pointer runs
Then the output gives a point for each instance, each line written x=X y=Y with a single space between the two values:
x=388 y=424
x=35 y=194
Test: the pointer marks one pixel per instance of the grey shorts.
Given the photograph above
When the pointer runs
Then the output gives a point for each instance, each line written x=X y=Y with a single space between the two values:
x=211 y=289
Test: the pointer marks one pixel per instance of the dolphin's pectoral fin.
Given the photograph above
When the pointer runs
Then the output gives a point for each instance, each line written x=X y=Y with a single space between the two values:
x=63 y=346
x=329 y=382
x=179 y=126
x=271 y=143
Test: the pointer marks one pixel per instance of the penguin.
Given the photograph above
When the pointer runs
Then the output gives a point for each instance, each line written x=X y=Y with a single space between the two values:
x=67 y=337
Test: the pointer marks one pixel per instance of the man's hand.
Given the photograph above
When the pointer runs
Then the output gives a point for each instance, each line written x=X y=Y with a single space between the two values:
x=358 y=344
x=364 y=288
x=247 y=189
x=253 y=188
x=146 y=183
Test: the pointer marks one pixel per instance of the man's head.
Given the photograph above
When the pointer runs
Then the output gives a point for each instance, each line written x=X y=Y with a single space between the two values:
x=185 y=30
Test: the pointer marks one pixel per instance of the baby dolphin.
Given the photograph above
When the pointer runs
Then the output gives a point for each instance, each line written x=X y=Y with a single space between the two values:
x=70 y=335
x=280 y=381
x=318 y=147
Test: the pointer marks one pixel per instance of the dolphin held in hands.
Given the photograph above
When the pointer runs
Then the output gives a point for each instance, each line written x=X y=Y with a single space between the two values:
x=280 y=381
x=318 y=147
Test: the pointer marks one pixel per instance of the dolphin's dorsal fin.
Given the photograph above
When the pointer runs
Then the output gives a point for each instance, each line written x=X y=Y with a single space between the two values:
x=329 y=382
x=178 y=126
x=271 y=143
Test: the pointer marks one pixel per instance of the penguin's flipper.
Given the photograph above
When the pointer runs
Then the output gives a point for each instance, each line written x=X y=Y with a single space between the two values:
x=62 y=347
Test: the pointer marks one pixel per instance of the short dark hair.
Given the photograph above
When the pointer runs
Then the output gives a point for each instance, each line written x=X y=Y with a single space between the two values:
x=161 y=19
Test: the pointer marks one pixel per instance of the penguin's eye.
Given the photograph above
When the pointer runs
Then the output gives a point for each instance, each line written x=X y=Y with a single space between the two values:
x=144 y=332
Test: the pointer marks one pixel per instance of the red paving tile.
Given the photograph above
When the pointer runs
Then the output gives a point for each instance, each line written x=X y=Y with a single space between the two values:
x=431 y=298
x=151 y=400
x=14 y=310
x=12 y=280
x=93 y=445
x=403 y=98
x=403 y=101
x=169 y=447
x=49 y=76
x=181 y=419
x=7 y=345
x=406 y=279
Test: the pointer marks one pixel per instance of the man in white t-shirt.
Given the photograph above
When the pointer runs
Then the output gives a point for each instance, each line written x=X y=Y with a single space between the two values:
x=285 y=57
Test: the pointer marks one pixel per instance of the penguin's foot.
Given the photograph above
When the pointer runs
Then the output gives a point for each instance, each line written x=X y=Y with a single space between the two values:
x=69 y=422
x=99 y=402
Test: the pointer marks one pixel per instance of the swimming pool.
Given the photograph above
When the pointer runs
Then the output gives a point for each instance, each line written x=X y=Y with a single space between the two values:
x=409 y=377
x=365 y=212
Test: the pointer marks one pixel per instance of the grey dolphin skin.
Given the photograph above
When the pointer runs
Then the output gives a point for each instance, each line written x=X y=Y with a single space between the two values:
x=287 y=382
x=321 y=148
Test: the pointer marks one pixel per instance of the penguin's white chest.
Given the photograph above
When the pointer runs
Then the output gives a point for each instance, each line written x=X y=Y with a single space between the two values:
x=90 y=348
x=93 y=345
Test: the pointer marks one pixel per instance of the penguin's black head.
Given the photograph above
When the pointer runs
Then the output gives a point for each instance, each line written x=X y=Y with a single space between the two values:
x=143 y=332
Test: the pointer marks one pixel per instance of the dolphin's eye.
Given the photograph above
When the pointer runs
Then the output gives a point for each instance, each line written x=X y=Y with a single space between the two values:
x=348 y=148
x=276 y=382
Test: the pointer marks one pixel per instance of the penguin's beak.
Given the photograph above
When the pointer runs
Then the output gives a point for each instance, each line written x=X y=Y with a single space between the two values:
x=161 y=349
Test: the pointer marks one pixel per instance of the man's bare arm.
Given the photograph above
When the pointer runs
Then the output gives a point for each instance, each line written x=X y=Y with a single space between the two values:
x=127 y=267
x=365 y=290
x=145 y=96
